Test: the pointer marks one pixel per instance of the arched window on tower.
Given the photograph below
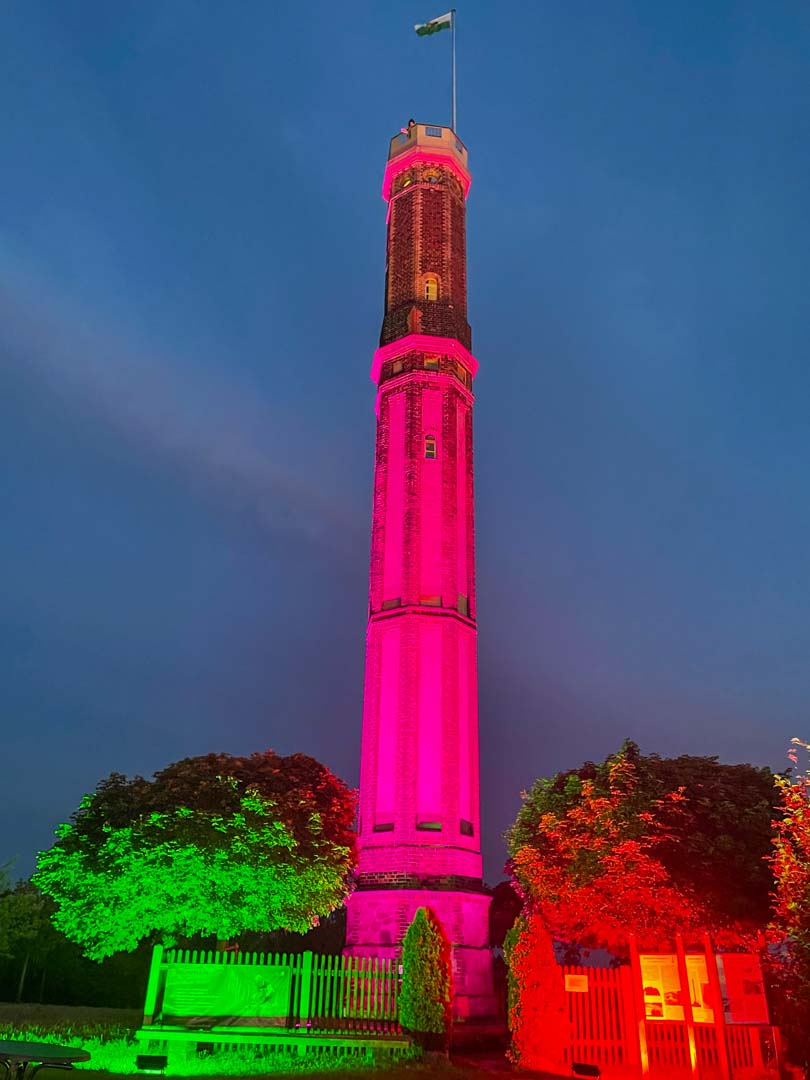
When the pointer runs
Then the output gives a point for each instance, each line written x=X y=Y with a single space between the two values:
x=430 y=448
x=431 y=287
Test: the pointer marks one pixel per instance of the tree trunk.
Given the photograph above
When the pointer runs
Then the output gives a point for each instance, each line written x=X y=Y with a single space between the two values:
x=42 y=983
x=21 y=983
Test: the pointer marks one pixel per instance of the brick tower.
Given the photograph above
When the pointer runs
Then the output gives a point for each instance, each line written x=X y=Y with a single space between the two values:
x=418 y=828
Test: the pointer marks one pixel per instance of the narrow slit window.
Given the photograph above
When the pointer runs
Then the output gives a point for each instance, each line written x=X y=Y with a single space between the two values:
x=431 y=287
x=431 y=452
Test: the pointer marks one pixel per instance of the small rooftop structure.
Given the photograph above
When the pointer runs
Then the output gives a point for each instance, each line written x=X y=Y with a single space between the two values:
x=428 y=137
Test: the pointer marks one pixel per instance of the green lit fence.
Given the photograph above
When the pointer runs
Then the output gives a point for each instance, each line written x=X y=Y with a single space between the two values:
x=258 y=993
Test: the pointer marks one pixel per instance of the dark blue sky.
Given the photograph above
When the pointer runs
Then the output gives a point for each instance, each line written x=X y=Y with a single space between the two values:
x=191 y=276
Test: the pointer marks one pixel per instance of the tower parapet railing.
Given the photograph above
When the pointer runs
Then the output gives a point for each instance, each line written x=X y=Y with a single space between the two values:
x=429 y=137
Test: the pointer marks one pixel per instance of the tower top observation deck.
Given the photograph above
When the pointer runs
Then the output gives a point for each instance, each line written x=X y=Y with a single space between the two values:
x=428 y=137
x=426 y=142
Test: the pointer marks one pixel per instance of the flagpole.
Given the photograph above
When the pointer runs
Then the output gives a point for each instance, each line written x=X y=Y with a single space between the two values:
x=453 y=29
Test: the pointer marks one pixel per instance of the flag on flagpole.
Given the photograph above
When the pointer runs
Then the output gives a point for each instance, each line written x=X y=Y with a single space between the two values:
x=444 y=22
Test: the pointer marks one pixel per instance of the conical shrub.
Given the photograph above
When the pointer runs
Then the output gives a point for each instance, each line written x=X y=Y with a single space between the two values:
x=426 y=981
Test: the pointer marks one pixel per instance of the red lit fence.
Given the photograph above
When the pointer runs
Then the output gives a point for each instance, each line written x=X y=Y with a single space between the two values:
x=615 y=1023
x=200 y=990
x=602 y=1019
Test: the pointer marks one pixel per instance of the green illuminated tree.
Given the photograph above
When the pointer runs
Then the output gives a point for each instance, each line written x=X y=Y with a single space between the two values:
x=424 y=1004
x=211 y=845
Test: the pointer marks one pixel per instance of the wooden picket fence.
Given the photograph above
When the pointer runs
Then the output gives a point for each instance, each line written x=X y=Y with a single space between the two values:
x=355 y=993
x=336 y=994
x=604 y=1031
x=602 y=1022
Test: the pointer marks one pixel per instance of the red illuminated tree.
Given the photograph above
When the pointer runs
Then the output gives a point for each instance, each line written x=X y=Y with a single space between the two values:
x=587 y=863
x=790 y=861
x=789 y=969
x=715 y=841
x=592 y=869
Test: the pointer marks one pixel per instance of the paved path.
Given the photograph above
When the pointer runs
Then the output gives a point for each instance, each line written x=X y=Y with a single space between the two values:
x=489 y=1063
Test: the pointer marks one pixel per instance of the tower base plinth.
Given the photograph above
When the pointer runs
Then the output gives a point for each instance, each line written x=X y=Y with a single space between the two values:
x=378 y=919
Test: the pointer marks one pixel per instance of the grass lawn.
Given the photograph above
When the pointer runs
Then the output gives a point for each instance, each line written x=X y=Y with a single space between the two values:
x=414 y=1071
x=76 y=1016
x=108 y=1034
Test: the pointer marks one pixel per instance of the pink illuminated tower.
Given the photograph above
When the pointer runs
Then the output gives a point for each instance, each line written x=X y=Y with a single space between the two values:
x=418 y=828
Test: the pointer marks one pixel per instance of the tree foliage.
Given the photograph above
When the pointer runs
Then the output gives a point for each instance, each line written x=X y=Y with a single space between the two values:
x=27 y=936
x=789 y=970
x=711 y=839
x=790 y=860
x=424 y=1004
x=42 y=965
x=21 y=914
x=589 y=864
x=211 y=845
x=504 y=910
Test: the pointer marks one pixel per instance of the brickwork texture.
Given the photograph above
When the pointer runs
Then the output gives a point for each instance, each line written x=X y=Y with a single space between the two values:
x=419 y=815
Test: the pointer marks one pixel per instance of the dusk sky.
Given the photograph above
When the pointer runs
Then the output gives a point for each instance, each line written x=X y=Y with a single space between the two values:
x=192 y=250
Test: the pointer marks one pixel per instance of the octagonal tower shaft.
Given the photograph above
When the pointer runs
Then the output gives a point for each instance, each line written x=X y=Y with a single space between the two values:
x=419 y=821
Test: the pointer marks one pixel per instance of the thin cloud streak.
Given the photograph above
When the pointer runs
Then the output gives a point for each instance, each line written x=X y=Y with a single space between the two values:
x=205 y=432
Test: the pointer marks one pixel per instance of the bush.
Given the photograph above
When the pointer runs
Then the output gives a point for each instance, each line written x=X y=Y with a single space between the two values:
x=538 y=1012
x=424 y=1005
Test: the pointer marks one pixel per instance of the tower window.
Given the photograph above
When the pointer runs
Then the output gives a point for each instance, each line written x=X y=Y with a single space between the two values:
x=431 y=451
x=463 y=605
x=431 y=287
x=432 y=363
x=397 y=367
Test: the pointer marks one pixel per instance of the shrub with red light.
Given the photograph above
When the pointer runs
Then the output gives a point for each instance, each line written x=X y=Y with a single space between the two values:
x=788 y=969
